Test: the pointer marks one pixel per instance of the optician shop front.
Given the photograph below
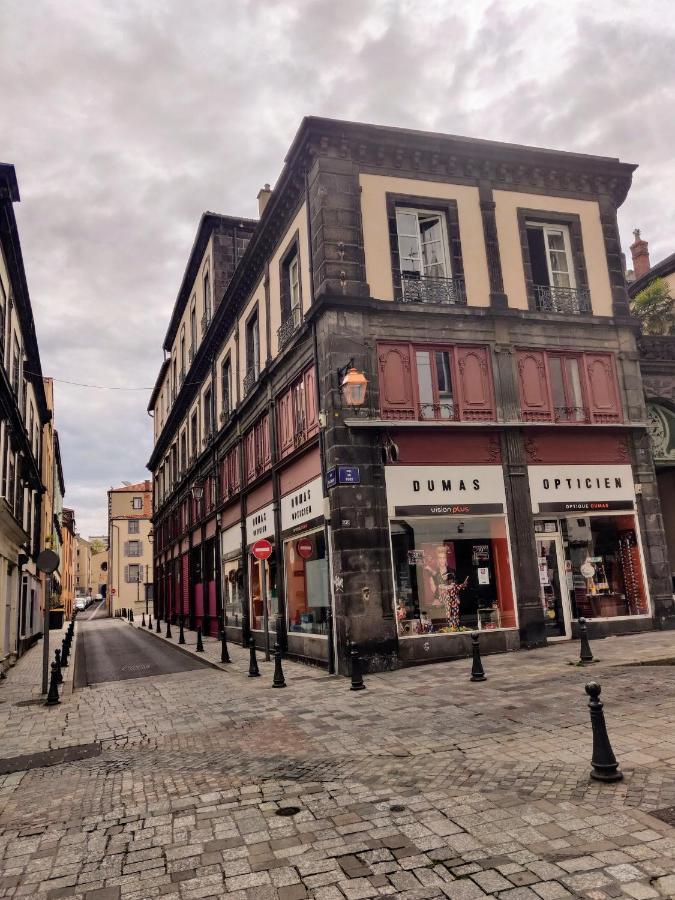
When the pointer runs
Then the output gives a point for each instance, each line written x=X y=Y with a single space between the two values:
x=451 y=560
x=589 y=552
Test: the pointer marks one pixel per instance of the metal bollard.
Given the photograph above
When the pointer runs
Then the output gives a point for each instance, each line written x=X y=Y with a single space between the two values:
x=150 y=621
x=200 y=644
x=59 y=676
x=158 y=629
x=168 y=628
x=224 y=653
x=53 y=695
x=605 y=766
x=279 y=681
x=181 y=633
x=585 y=653
x=477 y=671
x=253 y=662
x=131 y=615
x=143 y=620
x=357 y=673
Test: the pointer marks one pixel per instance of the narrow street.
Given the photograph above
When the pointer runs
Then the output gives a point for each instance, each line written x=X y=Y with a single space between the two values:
x=109 y=650
x=206 y=783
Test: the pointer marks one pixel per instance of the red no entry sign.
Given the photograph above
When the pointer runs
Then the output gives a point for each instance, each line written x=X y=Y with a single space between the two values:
x=305 y=548
x=262 y=549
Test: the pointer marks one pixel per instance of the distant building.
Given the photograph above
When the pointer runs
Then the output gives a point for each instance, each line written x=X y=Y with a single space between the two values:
x=130 y=552
x=83 y=586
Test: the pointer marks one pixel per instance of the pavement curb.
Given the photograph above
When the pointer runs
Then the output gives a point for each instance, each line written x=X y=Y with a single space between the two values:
x=222 y=667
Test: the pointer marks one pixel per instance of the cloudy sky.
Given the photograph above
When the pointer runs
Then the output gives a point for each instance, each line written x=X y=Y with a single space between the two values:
x=125 y=120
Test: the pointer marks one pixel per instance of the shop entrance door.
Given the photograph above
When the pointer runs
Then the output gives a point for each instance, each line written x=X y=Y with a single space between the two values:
x=553 y=589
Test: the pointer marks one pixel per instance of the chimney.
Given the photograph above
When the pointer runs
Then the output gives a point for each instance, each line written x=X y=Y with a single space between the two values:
x=640 y=253
x=264 y=195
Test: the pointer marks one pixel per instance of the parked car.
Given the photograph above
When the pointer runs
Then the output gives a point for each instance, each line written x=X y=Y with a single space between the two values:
x=99 y=596
x=80 y=604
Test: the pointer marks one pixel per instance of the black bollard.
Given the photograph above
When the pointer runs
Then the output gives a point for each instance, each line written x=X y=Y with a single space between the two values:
x=253 y=662
x=150 y=621
x=143 y=620
x=477 y=671
x=168 y=628
x=224 y=654
x=131 y=615
x=158 y=629
x=181 y=633
x=279 y=681
x=200 y=645
x=357 y=674
x=605 y=766
x=59 y=676
x=65 y=653
x=53 y=695
x=585 y=653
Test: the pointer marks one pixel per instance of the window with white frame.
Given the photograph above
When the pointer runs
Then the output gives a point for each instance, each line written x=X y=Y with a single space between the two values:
x=137 y=503
x=225 y=378
x=550 y=255
x=133 y=548
x=294 y=283
x=422 y=243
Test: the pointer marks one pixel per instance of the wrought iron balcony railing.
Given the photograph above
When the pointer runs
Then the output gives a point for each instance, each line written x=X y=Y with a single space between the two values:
x=191 y=354
x=289 y=326
x=425 y=289
x=572 y=301
x=206 y=321
x=181 y=377
x=250 y=379
x=225 y=413
x=445 y=412
x=571 y=414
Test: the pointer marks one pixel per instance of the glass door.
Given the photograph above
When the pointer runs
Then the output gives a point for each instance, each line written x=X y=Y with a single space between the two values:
x=553 y=586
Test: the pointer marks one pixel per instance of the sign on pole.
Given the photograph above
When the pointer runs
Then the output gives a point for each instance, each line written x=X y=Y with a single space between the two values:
x=262 y=549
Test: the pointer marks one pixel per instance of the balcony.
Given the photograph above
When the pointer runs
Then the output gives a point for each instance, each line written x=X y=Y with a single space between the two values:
x=289 y=327
x=191 y=354
x=425 y=289
x=225 y=414
x=206 y=321
x=570 y=301
x=571 y=414
x=250 y=379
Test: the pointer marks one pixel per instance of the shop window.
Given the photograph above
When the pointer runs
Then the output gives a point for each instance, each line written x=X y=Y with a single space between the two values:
x=606 y=567
x=256 y=588
x=307 y=595
x=568 y=387
x=451 y=575
x=233 y=592
x=435 y=383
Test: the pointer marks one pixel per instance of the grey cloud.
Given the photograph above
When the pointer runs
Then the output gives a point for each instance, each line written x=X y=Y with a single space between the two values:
x=127 y=120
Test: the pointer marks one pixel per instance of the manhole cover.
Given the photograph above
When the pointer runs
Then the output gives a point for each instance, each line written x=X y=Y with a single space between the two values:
x=666 y=815
x=288 y=811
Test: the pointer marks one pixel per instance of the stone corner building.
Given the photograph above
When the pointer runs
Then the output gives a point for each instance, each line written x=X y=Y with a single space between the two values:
x=499 y=475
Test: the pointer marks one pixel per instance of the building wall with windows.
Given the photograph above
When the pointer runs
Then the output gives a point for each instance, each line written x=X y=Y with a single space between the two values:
x=23 y=413
x=479 y=288
x=129 y=559
x=83 y=575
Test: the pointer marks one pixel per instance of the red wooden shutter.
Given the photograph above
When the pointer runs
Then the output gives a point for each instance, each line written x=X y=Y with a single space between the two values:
x=603 y=389
x=311 y=411
x=186 y=584
x=535 y=399
x=249 y=455
x=266 y=450
x=474 y=382
x=235 y=474
x=285 y=423
x=397 y=396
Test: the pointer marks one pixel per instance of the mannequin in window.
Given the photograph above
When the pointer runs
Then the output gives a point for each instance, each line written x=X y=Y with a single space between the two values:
x=449 y=593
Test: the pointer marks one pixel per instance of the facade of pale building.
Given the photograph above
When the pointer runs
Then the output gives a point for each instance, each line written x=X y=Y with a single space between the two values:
x=83 y=571
x=129 y=571
x=498 y=475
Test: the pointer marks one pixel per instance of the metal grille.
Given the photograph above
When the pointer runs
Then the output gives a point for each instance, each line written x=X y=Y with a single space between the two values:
x=289 y=327
x=572 y=301
x=250 y=379
x=571 y=414
x=425 y=289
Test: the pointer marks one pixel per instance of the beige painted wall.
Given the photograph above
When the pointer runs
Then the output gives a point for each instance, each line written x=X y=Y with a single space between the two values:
x=298 y=224
x=507 y=204
x=374 y=189
x=120 y=512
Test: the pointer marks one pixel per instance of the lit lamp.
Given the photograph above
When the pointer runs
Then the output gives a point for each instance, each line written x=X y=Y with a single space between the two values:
x=353 y=385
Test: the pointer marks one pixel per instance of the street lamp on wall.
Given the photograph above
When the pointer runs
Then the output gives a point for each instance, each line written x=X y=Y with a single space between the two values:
x=353 y=385
x=197 y=490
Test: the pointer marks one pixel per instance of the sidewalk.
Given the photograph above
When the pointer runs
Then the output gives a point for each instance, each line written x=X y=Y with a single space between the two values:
x=24 y=679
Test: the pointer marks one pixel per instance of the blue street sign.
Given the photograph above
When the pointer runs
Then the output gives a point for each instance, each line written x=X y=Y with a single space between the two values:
x=348 y=475
x=331 y=477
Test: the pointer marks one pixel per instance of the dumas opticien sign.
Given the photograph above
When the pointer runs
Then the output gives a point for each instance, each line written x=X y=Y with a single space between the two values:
x=581 y=488
x=444 y=490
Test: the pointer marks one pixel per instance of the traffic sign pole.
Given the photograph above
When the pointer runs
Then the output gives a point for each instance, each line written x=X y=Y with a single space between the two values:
x=263 y=591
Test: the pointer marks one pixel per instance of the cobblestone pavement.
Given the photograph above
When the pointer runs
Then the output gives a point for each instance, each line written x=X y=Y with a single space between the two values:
x=424 y=785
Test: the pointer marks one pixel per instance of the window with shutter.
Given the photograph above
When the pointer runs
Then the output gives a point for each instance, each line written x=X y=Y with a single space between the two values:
x=311 y=411
x=535 y=399
x=250 y=455
x=126 y=574
x=475 y=394
x=397 y=397
x=602 y=388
